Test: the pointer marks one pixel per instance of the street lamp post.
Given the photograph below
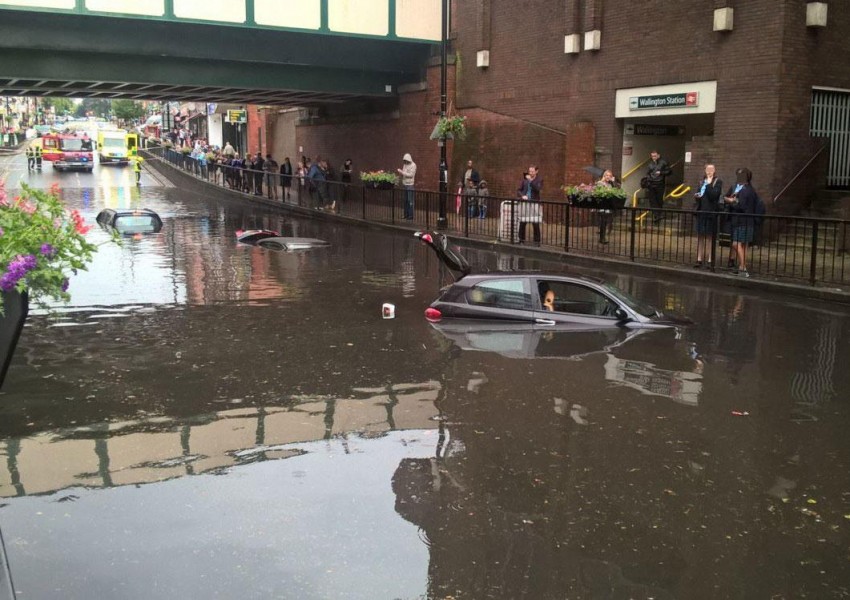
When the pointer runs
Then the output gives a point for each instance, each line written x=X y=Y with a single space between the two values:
x=442 y=222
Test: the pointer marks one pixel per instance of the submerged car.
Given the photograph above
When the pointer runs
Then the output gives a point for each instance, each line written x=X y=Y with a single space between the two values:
x=272 y=240
x=572 y=301
x=252 y=236
x=291 y=244
x=130 y=222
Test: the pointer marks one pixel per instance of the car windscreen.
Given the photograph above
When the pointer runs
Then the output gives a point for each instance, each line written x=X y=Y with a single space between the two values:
x=75 y=145
x=137 y=223
x=639 y=307
x=114 y=143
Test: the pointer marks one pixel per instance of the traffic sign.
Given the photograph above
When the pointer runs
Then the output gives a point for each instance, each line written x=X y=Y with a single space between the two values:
x=237 y=116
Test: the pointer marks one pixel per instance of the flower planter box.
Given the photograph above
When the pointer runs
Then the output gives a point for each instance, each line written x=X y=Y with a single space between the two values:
x=605 y=203
x=380 y=185
x=16 y=305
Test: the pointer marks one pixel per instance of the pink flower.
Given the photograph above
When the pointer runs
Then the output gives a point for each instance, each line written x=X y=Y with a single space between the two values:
x=79 y=223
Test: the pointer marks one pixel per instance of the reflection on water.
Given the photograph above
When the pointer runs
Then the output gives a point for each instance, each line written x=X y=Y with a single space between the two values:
x=159 y=448
x=453 y=463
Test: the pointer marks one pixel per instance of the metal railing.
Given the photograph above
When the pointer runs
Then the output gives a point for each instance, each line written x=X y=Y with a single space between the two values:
x=795 y=248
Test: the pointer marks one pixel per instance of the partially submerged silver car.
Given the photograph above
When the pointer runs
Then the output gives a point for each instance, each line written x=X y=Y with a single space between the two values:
x=545 y=300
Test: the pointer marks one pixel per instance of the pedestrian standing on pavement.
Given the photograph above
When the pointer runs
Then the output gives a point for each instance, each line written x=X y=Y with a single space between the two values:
x=39 y=157
x=228 y=151
x=483 y=199
x=656 y=183
x=529 y=209
x=471 y=174
x=345 y=177
x=270 y=167
x=606 y=215
x=408 y=180
x=741 y=200
x=285 y=178
x=706 y=206
x=258 y=172
x=30 y=158
x=316 y=185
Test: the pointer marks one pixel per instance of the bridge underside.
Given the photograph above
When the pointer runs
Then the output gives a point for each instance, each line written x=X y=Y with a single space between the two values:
x=66 y=55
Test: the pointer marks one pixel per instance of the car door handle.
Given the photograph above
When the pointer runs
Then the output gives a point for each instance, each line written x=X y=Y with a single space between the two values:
x=544 y=321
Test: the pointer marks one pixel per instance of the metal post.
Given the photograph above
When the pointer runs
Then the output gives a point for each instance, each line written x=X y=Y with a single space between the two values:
x=633 y=229
x=442 y=222
x=714 y=231
x=363 y=197
x=566 y=227
x=813 y=267
x=465 y=208
x=513 y=222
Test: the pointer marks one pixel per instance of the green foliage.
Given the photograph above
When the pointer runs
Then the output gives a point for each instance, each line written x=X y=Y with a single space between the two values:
x=61 y=106
x=95 y=107
x=128 y=109
x=40 y=242
x=451 y=127
x=378 y=177
x=593 y=192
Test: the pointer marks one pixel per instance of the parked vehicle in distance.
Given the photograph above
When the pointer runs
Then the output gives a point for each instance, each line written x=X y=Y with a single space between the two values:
x=68 y=151
x=112 y=146
x=536 y=299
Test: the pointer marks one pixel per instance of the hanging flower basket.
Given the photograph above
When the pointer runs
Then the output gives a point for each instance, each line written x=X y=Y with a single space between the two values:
x=449 y=128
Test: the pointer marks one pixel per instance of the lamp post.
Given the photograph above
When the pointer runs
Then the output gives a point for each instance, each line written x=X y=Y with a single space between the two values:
x=442 y=222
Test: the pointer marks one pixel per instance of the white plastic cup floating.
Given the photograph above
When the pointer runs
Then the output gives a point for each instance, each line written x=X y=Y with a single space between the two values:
x=388 y=311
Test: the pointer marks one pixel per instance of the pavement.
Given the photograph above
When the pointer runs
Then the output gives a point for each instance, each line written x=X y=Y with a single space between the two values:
x=645 y=269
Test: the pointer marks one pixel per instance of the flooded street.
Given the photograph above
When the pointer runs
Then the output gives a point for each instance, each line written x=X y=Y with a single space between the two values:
x=213 y=420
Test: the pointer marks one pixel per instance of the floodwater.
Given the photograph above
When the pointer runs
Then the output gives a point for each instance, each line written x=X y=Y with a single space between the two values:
x=208 y=420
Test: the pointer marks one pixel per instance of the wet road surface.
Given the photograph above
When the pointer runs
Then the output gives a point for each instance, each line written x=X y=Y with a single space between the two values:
x=207 y=420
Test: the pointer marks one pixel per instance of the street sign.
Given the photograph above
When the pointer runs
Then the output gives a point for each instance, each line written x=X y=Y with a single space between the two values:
x=676 y=100
x=237 y=116
x=646 y=129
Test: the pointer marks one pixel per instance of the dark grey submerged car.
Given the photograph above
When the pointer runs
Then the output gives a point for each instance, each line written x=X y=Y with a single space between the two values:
x=580 y=302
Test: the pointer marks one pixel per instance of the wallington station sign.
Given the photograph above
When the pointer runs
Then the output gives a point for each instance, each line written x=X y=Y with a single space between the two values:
x=677 y=100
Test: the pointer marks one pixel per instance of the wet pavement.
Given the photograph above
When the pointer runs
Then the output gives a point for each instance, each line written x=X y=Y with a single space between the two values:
x=208 y=420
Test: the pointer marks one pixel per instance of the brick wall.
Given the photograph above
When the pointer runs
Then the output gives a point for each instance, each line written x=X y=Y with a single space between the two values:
x=535 y=104
x=765 y=68
x=380 y=140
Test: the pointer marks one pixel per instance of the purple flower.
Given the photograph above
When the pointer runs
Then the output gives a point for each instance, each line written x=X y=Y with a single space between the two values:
x=17 y=270
x=7 y=282
x=65 y=285
x=1 y=231
x=48 y=250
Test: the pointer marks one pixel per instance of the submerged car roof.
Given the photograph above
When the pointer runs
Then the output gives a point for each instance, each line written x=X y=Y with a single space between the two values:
x=542 y=274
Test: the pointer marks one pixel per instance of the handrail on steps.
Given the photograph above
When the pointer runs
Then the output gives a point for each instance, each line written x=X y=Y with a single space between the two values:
x=800 y=172
x=632 y=171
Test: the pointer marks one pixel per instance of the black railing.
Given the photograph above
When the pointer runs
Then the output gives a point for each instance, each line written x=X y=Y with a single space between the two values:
x=798 y=248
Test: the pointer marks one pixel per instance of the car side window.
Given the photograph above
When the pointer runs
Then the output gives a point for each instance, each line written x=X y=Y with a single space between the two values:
x=578 y=299
x=501 y=293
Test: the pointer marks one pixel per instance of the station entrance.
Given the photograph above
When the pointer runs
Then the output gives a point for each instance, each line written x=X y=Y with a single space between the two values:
x=670 y=119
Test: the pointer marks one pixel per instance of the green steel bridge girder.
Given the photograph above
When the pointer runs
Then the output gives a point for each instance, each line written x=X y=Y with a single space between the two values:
x=47 y=54
x=48 y=73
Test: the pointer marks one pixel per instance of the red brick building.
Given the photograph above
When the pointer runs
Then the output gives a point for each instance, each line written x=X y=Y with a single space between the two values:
x=571 y=83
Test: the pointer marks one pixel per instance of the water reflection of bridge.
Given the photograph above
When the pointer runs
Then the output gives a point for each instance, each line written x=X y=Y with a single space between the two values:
x=157 y=448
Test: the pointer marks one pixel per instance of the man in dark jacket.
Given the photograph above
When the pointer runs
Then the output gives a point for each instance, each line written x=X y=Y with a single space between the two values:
x=656 y=176
x=258 y=173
